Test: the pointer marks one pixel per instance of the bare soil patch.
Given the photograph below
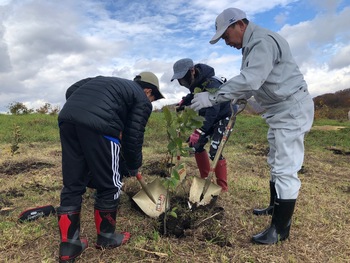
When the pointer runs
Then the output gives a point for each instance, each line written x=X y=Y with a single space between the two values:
x=218 y=233
x=188 y=217
x=17 y=167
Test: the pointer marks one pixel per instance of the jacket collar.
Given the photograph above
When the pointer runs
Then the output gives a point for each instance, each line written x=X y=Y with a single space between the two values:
x=248 y=34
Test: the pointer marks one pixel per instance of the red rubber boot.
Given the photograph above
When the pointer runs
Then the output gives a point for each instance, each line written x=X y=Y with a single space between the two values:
x=221 y=174
x=203 y=164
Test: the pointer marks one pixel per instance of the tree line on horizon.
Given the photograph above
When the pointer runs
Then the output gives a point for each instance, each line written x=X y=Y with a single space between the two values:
x=330 y=105
x=335 y=106
x=339 y=99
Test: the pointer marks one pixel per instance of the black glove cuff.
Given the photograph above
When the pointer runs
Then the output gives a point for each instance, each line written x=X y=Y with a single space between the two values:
x=202 y=133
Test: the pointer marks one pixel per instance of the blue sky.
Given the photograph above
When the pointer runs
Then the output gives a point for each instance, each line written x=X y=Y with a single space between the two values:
x=45 y=46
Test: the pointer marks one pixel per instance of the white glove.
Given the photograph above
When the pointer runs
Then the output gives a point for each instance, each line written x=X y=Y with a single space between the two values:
x=200 y=101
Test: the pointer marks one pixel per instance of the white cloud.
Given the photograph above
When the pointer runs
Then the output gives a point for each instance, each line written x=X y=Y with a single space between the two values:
x=322 y=80
x=45 y=46
x=281 y=18
x=341 y=58
x=4 y=2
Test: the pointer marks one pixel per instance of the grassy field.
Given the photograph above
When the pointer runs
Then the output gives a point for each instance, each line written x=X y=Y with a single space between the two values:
x=30 y=176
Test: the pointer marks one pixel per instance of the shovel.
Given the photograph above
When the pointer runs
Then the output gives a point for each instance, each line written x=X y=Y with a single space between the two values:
x=152 y=198
x=202 y=190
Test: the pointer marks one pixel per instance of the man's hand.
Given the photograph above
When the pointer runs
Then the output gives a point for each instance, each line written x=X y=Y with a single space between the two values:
x=200 y=101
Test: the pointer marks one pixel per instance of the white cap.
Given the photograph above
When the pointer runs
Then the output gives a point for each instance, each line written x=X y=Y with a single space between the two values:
x=224 y=20
x=149 y=80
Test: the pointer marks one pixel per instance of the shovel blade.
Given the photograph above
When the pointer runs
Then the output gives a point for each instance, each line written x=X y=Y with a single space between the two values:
x=159 y=194
x=196 y=191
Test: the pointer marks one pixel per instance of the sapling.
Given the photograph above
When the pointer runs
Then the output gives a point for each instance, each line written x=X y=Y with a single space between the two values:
x=178 y=126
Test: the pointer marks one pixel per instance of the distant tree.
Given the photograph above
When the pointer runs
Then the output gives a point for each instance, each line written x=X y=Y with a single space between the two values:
x=17 y=108
x=55 y=110
x=44 y=109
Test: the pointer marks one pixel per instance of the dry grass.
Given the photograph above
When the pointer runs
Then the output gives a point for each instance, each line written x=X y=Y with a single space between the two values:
x=320 y=230
x=328 y=128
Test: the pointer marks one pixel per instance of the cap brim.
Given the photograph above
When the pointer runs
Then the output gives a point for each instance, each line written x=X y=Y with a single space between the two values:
x=217 y=35
x=158 y=94
x=179 y=75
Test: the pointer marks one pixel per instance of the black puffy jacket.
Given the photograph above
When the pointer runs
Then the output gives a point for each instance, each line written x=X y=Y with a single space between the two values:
x=112 y=106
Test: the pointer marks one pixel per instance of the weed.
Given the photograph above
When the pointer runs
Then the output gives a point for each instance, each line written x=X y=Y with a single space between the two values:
x=15 y=139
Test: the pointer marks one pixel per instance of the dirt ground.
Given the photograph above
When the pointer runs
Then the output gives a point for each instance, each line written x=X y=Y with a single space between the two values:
x=220 y=233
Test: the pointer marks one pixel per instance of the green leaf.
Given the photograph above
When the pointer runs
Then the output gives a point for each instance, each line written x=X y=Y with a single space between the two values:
x=171 y=146
x=167 y=115
x=173 y=214
x=175 y=174
x=172 y=132
x=197 y=90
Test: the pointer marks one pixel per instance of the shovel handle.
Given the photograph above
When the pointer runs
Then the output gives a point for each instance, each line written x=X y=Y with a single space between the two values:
x=144 y=186
x=242 y=104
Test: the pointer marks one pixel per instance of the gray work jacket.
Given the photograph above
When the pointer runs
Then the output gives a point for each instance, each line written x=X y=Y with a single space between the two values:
x=268 y=71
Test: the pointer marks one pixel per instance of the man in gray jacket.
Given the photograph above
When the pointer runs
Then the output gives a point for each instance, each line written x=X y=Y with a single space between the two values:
x=270 y=74
x=103 y=120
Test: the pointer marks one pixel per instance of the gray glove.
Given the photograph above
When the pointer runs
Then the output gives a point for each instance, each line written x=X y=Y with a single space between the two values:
x=200 y=101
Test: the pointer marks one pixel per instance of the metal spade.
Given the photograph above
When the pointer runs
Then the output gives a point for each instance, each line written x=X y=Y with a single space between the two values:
x=152 y=198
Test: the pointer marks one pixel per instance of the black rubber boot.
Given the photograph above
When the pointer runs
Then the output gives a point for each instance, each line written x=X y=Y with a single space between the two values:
x=269 y=209
x=71 y=245
x=280 y=223
x=105 y=216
